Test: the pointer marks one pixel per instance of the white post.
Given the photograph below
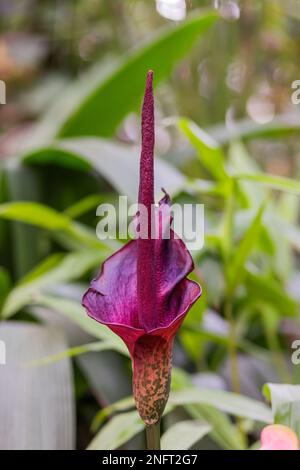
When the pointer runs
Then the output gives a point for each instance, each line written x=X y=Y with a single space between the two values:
x=2 y=352
x=2 y=92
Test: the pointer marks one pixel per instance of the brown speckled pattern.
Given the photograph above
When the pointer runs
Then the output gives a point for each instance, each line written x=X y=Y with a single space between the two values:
x=152 y=361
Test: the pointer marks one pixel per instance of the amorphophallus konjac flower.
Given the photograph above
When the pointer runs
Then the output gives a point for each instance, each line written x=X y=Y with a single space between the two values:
x=142 y=293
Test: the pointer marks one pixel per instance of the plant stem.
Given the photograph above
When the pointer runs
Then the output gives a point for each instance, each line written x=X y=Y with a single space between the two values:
x=235 y=379
x=234 y=365
x=153 y=436
x=278 y=358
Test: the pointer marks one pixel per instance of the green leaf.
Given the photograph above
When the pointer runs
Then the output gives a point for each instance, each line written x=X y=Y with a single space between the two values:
x=5 y=284
x=226 y=227
x=244 y=250
x=54 y=270
x=184 y=434
x=288 y=207
x=45 y=217
x=35 y=214
x=43 y=268
x=292 y=233
x=267 y=289
x=271 y=319
x=275 y=182
x=231 y=403
x=107 y=103
x=122 y=405
x=189 y=336
x=117 y=163
x=23 y=184
x=202 y=186
x=209 y=152
x=223 y=431
x=285 y=400
x=117 y=431
x=241 y=162
x=275 y=223
x=51 y=155
x=246 y=129
x=72 y=352
x=86 y=204
x=76 y=313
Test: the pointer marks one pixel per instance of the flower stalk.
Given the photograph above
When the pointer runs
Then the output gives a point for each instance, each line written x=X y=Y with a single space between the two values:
x=153 y=436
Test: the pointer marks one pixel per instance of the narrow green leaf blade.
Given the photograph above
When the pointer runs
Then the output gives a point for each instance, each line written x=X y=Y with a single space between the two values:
x=117 y=431
x=285 y=400
x=244 y=249
x=267 y=289
x=72 y=352
x=184 y=434
x=275 y=182
x=223 y=431
x=36 y=214
x=117 y=163
x=229 y=402
x=77 y=313
x=209 y=152
x=54 y=270
x=122 y=89
x=247 y=129
x=47 y=218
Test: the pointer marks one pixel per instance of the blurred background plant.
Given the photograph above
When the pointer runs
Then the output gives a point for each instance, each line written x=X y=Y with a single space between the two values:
x=227 y=135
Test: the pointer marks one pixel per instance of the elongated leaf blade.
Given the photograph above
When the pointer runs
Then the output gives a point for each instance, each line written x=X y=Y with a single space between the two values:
x=223 y=431
x=54 y=270
x=43 y=216
x=208 y=150
x=120 y=92
x=76 y=313
x=285 y=400
x=117 y=431
x=72 y=352
x=184 y=434
x=117 y=163
x=269 y=290
x=244 y=249
x=35 y=213
x=247 y=129
x=275 y=182
x=232 y=403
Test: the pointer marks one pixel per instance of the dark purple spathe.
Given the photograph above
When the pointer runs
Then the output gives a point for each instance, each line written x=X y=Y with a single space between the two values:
x=142 y=292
